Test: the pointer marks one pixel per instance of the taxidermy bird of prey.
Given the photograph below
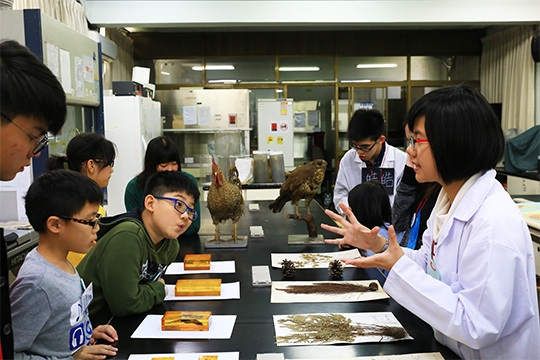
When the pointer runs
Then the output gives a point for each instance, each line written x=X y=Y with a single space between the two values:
x=302 y=182
x=225 y=200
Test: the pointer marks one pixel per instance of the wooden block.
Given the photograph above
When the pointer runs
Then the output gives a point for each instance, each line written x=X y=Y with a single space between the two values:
x=208 y=357
x=186 y=320
x=197 y=261
x=163 y=358
x=198 y=287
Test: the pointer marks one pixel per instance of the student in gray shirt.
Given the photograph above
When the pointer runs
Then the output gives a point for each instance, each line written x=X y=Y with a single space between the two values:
x=49 y=300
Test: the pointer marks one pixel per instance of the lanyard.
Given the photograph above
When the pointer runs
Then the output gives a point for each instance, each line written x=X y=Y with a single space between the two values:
x=432 y=265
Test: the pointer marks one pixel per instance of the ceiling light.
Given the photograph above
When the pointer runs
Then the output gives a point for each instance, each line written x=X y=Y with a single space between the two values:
x=375 y=66
x=356 y=81
x=228 y=81
x=279 y=90
x=213 y=67
x=165 y=73
x=300 y=68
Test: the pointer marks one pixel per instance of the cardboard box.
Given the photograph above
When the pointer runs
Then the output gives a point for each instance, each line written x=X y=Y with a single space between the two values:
x=186 y=320
x=198 y=287
x=197 y=261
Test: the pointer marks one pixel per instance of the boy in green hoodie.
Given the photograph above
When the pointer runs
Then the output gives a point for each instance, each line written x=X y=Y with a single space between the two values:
x=126 y=264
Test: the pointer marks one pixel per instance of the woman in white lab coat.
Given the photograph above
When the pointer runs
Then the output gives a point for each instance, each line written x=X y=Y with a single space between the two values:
x=473 y=280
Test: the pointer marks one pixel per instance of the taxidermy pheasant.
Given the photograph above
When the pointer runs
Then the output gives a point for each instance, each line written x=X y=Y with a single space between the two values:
x=225 y=200
x=302 y=182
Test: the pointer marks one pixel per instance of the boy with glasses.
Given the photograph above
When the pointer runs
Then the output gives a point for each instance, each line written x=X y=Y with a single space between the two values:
x=134 y=248
x=48 y=298
x=370 y=158
x=32 y=102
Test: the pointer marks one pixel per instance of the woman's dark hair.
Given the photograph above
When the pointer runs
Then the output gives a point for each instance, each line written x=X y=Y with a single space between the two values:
x=370 y=204
x=84 y=147
x=59 y=193
x=160 y=150
x=464 y=133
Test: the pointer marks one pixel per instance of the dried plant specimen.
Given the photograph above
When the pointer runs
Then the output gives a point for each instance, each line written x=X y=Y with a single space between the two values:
x=312 y=260
x=330 y=288
x=327 y=328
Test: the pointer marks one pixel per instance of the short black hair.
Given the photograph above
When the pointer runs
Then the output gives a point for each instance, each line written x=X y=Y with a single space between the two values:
x=59 y=193
x=164 y=182
x=84 y=147
x=29 y=88
x=464 y=133
x=366 y=124
x=160 y=150
x=370 y=204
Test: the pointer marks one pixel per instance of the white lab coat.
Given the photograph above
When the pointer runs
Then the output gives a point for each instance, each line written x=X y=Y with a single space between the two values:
x=485 y=306
x=350 y=172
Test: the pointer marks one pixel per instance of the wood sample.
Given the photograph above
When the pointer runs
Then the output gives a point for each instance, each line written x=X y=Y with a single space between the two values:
x=186 y=320
x=197 y=261
x=198 y=287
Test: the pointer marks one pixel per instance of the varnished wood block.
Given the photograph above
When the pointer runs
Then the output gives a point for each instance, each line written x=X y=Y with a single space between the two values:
x=198 y=287
x=186 y=320
x=197 y=261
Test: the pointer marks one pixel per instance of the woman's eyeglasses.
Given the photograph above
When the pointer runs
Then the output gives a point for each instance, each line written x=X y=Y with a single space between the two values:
x=92 y=223
x=181 y=207
x=41 y=142
x=411 y=141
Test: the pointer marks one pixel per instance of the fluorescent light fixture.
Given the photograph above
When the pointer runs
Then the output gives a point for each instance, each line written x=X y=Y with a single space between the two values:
x=165 y=73
x=375 y=66
x=299 y=68
x=225 y=81
x=213 y=67
x=279 y=90
x=356 y=81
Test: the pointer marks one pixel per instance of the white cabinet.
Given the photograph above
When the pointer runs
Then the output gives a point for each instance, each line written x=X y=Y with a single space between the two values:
x=130 y=123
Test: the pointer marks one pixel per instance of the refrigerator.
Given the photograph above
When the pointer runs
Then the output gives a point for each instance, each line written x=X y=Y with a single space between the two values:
x=130 y=123
x=275 y=128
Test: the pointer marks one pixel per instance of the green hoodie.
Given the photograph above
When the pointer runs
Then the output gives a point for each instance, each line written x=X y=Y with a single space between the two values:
x=123 y=268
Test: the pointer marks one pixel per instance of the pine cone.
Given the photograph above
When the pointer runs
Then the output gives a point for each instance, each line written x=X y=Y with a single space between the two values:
x=335 y=268
x=288 y=268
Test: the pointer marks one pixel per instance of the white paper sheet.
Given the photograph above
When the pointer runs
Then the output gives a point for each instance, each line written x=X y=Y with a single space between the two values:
x=228 y=291
x=216 y=267
x=279 y=296
x=189 y=356
x=372 y=318
x=189 y=114
x=323 y=263
x=221 y=327
x=419 y=356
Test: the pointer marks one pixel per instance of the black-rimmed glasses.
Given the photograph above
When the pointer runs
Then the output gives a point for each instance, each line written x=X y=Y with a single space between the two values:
x=92 y=223
x=105 y=164
x=363 y=148
x=41 y=143
x=181 y=207
x=411 y=141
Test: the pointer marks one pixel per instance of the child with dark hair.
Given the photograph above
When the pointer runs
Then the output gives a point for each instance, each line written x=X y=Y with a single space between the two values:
x=370 y=157
x=91 y=155
x=473 y=279
x=370 y=205
x=32 y=103
x=48 y=298
x=161 y=155
x=134 y=249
